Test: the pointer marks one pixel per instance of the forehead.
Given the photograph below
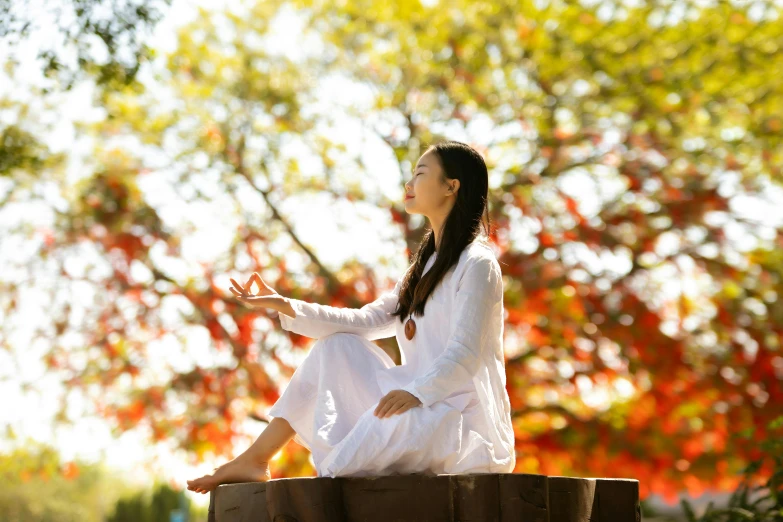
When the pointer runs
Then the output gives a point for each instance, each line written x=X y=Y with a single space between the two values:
x=426 y=160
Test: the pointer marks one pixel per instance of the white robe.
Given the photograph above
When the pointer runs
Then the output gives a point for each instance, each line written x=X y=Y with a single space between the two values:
x=454 y=364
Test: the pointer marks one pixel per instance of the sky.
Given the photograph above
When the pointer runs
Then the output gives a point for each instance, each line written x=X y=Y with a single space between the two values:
x=30 y=414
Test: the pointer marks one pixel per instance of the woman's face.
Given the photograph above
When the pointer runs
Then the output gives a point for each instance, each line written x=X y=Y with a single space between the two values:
x=430 y=195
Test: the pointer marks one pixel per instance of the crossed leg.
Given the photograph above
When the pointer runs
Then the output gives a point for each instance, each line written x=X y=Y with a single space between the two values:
x=314 y=414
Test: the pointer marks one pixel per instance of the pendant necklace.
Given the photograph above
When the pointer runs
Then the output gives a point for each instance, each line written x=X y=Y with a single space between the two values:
x=410 y=325
x=410 y=328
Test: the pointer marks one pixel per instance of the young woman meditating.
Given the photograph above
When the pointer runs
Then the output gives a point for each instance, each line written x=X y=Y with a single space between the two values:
x=445 y=409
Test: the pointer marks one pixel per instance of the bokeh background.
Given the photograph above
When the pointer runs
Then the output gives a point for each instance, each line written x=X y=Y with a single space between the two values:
x=149 y=151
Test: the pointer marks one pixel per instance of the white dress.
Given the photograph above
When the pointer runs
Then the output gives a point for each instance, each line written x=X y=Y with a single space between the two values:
x=454 y=364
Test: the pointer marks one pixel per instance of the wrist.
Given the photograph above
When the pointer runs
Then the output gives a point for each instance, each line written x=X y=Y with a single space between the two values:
x=282 y=305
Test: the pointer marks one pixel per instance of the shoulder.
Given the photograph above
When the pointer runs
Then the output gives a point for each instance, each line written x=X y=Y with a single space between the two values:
x=479 y=252
x=479 y=258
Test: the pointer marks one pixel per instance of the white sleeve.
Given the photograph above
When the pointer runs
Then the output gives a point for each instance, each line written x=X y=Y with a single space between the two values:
x=479 y=295
x=372 y=321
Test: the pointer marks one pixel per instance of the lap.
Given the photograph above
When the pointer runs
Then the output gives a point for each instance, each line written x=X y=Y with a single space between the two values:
x=416 y=439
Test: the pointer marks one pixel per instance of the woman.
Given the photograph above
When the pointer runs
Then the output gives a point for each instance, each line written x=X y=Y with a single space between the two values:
x=445 y=409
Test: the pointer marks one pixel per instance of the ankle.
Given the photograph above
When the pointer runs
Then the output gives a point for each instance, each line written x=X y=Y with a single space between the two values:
x=259 y=460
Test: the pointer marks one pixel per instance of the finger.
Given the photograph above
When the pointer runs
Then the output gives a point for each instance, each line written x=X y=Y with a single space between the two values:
x=401 y=408
x=389 y=400
x=381 y=406
x=386 y=402
x=233 y=291
x=390 y=407
x=237 y=285
x=248 y=285
x=257 y=278
x=385 y=411
x=407 y=405
x=392 y=410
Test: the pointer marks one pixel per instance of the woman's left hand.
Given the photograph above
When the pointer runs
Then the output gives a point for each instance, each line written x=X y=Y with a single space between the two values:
x=396 y=402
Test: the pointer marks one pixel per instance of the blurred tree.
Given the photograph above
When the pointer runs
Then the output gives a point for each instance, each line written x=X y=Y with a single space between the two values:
x=131 y=508
x=644 y=320
x=156 y=505
x=758 y=503
x=80 y=26
x=36 y=485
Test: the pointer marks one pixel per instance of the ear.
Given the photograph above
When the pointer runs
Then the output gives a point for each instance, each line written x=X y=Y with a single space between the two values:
x=454 y=187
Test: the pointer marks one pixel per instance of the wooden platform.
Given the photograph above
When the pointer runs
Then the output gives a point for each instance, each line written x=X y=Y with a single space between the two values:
x=477 y=497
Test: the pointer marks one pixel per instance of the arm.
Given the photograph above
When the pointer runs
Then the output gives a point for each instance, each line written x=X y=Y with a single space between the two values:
x=479 y=297
x=372 y=321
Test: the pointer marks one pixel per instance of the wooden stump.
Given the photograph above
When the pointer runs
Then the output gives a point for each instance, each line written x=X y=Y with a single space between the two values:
x=503 y=497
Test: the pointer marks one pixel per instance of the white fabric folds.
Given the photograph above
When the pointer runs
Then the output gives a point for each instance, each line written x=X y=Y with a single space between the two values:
x=454 y=364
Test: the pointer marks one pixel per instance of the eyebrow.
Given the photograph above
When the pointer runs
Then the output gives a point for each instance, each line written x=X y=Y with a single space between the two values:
x=421 y=165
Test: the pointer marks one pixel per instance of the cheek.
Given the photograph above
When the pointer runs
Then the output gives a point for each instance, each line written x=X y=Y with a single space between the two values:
x=424 y=192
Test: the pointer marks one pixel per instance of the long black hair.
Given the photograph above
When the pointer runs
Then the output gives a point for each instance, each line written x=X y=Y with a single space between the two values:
x=461 y=227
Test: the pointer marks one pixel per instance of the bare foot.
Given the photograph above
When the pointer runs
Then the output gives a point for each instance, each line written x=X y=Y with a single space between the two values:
x=241 y=469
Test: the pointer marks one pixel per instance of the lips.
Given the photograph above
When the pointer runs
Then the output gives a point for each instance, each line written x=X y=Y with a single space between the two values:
x=408 y=197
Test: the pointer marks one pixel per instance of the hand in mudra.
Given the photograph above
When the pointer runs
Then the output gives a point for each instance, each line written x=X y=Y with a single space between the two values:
x=246 y=295
x=396 y=402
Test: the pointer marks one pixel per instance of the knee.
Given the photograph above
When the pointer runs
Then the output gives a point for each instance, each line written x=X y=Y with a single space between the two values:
x=406 y=419
x=336 y=341
x=337 y=336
